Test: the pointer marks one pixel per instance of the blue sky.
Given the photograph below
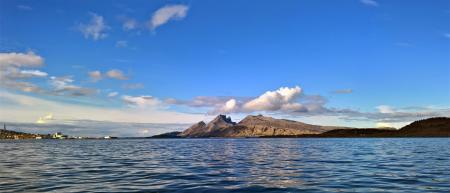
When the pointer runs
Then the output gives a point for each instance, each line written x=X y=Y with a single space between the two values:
x=350 y=62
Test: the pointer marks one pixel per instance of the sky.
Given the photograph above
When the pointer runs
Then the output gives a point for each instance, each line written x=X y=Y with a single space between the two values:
x=138 y=68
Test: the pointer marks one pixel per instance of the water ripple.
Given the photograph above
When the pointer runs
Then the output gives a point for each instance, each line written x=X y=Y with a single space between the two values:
x=226 y=165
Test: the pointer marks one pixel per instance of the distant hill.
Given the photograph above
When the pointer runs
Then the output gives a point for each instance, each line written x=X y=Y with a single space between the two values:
x=432 y=127
x=262 y=126
x=7 y=134
x=438 y=126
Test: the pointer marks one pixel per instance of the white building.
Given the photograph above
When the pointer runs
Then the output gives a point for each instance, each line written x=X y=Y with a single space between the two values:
x=59 y=135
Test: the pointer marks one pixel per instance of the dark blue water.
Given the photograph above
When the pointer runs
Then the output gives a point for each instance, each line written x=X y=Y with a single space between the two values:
x=226 y=165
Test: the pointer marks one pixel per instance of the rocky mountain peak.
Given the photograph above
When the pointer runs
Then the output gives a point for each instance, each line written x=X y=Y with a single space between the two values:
x=220 y=122
x=222 y=118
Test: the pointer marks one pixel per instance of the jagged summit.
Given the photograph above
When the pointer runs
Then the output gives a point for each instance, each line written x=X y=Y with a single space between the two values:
x=201 y=129
x=221 y=121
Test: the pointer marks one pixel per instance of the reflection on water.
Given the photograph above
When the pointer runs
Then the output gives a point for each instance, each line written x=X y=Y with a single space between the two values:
x=226 y=165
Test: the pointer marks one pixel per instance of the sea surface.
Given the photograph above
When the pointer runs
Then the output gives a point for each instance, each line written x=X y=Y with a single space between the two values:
x=226 y=165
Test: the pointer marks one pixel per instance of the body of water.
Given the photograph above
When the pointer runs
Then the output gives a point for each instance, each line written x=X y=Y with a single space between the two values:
x=226 y=165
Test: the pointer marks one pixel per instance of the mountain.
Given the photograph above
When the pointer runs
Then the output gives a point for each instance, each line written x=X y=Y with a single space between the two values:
x=197 y=129
x=253 y=126
x=200 y=129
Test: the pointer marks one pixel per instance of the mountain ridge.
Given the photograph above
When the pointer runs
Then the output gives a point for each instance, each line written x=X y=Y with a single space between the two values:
x=262 y=126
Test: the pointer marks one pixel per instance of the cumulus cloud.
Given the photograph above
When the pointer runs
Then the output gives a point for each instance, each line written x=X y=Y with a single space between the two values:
x=95 y=29
x=21 y=86
x=95 y=75
x=14 y=75
x=28 y=59
x=292 y=101
x=63 y=86
x=230 y=106
x=116 y=74
x=167 y=13
x=285 y=99
x=385 y=109
x=141 y=101
x=12 y=72
x=281 y=99
x=372 y=3
x=33 y=73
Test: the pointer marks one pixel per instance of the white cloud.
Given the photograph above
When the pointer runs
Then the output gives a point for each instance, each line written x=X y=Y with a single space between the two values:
x=23 y=108
x=447 y=35
x=22 y=86
x=95 y=75
x=45 y=119
x=95 y=29
x=281 y=99
x=230 y=106
x=20 y=60
x=116 y=74
x=141 y=101
x=33 y=73
x=167 y=13
x=285 y=100
x=13 y=73
x=10 y=71
x=121 y=44
x=63 y=85
x=369 y=2
x=385 y=109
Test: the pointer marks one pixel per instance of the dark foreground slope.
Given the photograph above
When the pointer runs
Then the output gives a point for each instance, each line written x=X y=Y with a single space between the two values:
x=175 y=134
x=432 y=127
